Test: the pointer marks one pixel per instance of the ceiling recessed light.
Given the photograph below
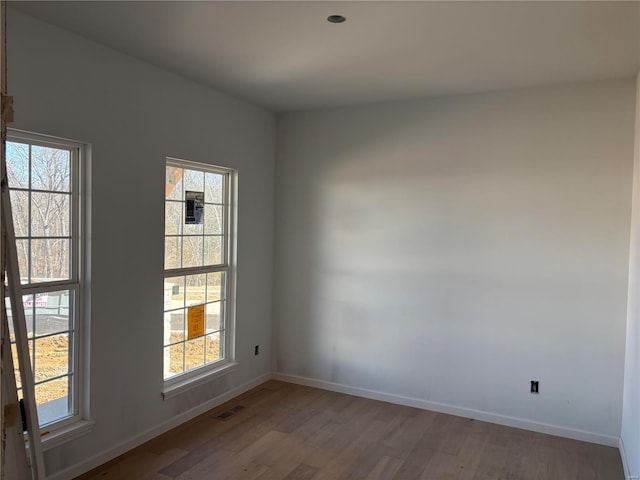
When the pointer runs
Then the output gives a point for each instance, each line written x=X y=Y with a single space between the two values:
x=336 y=18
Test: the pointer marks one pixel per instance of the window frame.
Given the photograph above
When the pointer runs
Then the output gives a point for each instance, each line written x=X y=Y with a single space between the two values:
x=206 y=372
x=77 y=423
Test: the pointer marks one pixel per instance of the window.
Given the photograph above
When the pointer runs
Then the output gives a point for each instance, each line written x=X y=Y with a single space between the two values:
x=198 y=271
x=44 y=184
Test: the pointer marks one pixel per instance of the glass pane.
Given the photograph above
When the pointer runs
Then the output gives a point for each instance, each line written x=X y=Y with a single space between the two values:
x=50 y=169
x=173 y=293
x=52 y=357
x=173 y=185
x=193 y=228
x=27 y=305
x=193 y=207
x=18 y=165
x=213 y=192
x=31 y=358
x=28 y=314
x=172 y=251
x=14 y=355
x=50 y=260
x=192 y=251
x=214 y=314
x=193 y=180
x=22 y=248
x=20 y=210
x=12 y=337
x=12 y=334
x=52 y=399
x=195 y=289
x=173 y=360
x=173 y=218
x=52 y=312
x=213 y=219
x=212 y=348
x=50 y=215
x=194 y=353
x=174 y=327
x=215 y=286
x=213 y=250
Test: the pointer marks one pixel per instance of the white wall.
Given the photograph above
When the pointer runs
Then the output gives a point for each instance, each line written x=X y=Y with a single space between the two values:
x=452 y=250
x=134 y=115
x=631 y=401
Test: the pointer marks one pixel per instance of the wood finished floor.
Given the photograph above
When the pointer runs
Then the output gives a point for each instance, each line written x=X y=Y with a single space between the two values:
x=284 y=431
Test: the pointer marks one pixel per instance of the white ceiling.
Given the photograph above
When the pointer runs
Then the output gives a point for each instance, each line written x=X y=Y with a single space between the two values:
x=286 y=56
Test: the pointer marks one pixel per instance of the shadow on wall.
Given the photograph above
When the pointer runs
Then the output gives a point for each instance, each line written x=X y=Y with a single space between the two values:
x=428 y=251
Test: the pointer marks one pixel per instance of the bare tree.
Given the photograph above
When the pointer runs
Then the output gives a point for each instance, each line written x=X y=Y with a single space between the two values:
x=39 y=179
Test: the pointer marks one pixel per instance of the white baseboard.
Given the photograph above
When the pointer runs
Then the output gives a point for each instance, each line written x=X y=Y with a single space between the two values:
x=625 y=462
x=123 y=447
x=515 y=422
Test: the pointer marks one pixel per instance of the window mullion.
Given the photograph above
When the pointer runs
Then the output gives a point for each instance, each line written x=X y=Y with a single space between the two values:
x=49 y=287
x=29 y=216
x=176 y=272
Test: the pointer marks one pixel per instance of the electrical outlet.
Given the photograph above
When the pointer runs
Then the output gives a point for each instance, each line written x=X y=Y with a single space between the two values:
x=534 y=386
x=256 y=350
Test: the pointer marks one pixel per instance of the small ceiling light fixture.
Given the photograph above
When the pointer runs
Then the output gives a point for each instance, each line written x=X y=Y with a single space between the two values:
x=336 y=18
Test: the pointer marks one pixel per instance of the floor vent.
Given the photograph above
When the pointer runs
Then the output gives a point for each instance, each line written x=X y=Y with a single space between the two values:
x=226 y=415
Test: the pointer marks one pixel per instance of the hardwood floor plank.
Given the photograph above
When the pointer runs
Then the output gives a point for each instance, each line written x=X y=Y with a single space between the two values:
x=521 y=464
x=417 y=460
x=302 y=472
x=235 y=465
x=585 y=468
x=442 y=466
x=137 y=464
x=295 y=418
x=471 y=454
x=609 y=464
x=385 y=469
x=455 y=435
x=388 y=412
x=546 y=463
x=435 y=437
x=345 y=463
x=492 y=464
x=191 y=459
x=407 y=434
x=330 y=439
x=367 y=460
x=281 y=459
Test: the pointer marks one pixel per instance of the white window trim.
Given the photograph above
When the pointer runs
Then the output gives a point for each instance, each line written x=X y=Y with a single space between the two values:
x=184 y=384
x=180 y=383
x=64 y=434
x=79 y=423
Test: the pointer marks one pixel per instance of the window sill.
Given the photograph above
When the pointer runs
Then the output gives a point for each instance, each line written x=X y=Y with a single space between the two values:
x=182 y=385
x=64 y=434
